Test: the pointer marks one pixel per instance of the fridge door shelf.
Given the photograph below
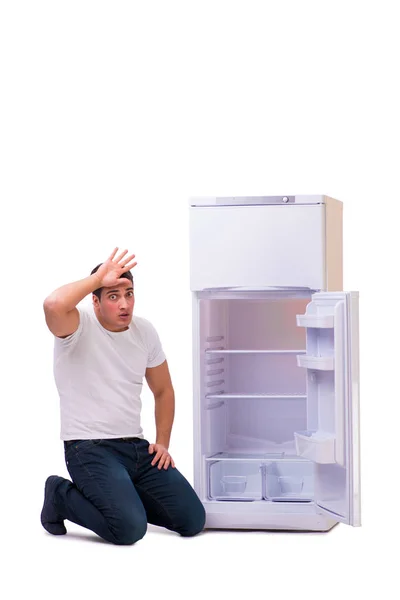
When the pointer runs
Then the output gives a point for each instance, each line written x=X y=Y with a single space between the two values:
x=320 y=363
x=317 y=446
x=318 y=321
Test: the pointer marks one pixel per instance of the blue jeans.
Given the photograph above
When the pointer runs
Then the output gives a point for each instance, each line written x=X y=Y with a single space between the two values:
x=116 y=491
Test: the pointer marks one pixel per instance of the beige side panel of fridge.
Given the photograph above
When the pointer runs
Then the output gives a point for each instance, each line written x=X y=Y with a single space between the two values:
x=334 y=244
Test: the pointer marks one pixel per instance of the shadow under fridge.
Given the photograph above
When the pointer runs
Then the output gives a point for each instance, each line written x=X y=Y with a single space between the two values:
x=275 y=364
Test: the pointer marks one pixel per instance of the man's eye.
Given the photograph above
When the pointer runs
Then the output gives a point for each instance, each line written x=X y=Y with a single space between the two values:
x=130 y=294
x=112 y=297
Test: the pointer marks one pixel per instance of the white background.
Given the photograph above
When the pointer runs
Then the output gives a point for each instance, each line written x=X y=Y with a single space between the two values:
x=112 y=115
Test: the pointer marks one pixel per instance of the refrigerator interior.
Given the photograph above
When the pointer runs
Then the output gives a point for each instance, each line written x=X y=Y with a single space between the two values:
x=265 y=419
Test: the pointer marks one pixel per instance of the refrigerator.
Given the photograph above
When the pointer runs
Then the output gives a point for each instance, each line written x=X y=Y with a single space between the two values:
x=275 y=364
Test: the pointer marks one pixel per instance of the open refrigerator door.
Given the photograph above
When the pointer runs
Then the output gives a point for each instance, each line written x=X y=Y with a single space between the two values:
x=331 y=439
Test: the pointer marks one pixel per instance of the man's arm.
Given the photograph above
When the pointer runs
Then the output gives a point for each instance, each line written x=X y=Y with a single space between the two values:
x=159 y=382
x=62 y=316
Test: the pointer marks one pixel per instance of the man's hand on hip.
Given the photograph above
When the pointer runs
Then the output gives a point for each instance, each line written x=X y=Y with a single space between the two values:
x=162 y=456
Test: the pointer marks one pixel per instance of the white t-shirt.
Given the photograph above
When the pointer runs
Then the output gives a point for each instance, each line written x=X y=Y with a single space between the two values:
x=99 y=377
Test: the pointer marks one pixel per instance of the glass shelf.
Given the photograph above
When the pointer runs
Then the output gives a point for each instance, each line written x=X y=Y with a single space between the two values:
x=251 y=396
x=255 y=456
x=224 y=351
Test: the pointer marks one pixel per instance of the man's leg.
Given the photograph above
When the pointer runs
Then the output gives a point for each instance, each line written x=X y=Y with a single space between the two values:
x=101 y=498
x=168 y=498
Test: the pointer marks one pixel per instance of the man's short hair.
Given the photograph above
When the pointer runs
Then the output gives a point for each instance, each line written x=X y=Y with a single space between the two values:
x=127 y=275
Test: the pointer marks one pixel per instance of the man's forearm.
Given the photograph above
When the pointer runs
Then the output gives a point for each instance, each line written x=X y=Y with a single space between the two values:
x=68 y=296
x=164 y=415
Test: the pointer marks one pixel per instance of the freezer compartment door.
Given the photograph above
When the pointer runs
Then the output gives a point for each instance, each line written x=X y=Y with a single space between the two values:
x=255 y=247
x=331 y=440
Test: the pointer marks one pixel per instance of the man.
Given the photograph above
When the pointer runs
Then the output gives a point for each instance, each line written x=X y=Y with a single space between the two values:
x=101 y=353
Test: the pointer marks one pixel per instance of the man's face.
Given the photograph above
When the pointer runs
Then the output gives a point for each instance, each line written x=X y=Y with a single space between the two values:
x=114 y=309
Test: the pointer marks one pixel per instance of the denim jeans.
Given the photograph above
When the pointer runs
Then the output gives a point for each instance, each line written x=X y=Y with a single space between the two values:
x=116 y=491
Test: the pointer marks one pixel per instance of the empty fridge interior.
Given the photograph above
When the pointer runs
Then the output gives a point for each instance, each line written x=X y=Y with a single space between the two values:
x=254 y=396
x=252 y=389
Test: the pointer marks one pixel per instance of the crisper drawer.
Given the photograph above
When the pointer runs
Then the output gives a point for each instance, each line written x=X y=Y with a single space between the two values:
x=257 y=246
x=235 y=480
x=289 y=481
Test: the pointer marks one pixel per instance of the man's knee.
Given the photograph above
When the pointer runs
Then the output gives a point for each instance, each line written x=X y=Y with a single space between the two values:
x=128 y=533
x=193 y=522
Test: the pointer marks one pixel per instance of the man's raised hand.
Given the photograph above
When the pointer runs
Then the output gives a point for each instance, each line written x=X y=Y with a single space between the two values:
x=110 y=271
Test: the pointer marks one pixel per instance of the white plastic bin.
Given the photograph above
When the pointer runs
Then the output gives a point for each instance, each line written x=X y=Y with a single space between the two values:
x=235 y=480
x=289 y=481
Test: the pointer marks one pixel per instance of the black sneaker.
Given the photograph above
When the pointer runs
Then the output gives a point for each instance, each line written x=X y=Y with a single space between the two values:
x=50 y=519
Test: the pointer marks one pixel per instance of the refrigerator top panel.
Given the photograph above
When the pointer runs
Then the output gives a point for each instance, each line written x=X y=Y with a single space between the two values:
x=253 y=243
x=257 y=247
x=257 y=200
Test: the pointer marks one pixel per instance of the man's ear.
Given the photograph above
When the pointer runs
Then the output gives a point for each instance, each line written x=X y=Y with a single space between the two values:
x=96 y=301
